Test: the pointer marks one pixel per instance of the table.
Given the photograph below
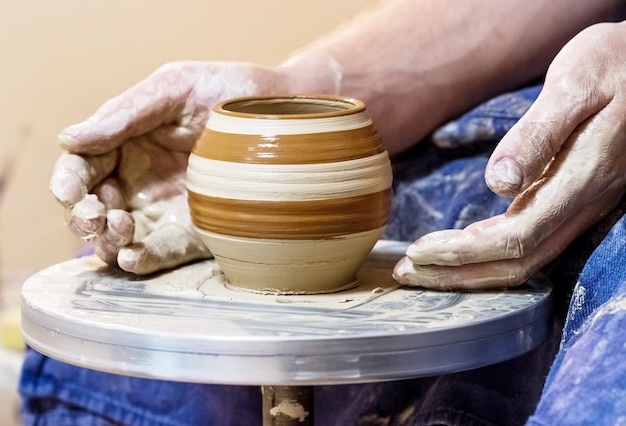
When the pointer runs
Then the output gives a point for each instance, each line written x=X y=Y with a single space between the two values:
x=188 y=324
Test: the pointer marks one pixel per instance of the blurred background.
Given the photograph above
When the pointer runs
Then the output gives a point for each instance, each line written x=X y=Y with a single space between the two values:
x=62 y=59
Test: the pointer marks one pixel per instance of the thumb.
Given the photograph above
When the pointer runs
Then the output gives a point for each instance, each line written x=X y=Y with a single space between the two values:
x=528 y=148
x=165 y=247
x=156 y=100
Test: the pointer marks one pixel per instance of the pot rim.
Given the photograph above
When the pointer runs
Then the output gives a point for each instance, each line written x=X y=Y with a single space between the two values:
x=352 y=106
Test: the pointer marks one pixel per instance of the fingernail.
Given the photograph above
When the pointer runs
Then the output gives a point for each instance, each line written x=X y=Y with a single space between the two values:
x=128 y=258
x=138 y=260
x=74 y=134
x=67 y=187
x=414 y=250
x=88 y=218
x=90 y=208
x=429 y=254
x=68 y=136
x=402 y=270
x=505 y=175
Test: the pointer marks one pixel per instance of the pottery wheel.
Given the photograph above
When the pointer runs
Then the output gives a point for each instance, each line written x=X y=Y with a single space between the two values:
x=188 y=325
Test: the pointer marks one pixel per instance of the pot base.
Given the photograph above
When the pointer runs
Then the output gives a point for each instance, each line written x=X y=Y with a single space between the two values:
x=291 y=266
x=288 y=292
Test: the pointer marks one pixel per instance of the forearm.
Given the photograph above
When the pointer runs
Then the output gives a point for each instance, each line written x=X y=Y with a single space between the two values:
x=417 y=63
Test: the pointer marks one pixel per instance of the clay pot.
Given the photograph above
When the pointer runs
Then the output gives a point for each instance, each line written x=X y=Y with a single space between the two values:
x=289 y=193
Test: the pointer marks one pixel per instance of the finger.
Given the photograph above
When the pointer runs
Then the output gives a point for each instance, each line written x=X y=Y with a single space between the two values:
x=526 y=150
x=156 y=100
x=74 y=175
x=579 y=175
x=504 y=272
x=495 y=238
x=87 y=218
x=166 y=247
x=490 y=275
x=119 y=231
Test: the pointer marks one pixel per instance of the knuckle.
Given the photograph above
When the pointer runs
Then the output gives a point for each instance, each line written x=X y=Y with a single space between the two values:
x=464 y=257
x=514 y=248
x=539 y=140
x=520 y=244
x=516 y=275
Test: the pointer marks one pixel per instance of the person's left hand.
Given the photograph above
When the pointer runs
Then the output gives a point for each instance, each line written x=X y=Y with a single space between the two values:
x=122 y=178
x=565 y=163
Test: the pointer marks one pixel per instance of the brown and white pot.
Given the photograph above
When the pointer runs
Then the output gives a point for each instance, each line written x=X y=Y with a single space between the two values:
x=290 y=193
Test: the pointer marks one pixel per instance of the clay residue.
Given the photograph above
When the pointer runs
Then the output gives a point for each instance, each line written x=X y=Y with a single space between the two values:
x=291 y=409
x=205 y=280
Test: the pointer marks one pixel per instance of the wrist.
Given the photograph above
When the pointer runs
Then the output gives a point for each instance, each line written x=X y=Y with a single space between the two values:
x=312 y=71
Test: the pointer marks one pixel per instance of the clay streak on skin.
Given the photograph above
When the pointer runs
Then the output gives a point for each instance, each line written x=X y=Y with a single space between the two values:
x=290 y=408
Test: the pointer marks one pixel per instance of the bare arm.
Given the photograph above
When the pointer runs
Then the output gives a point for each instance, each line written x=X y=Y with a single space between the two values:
x=417 y=63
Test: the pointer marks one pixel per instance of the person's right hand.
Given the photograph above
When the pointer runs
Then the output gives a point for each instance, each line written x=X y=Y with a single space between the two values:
x=122 y=179
x=563 y=162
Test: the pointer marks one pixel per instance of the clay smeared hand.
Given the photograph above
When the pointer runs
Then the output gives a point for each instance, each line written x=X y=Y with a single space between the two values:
x=122 y=179
x=564 y=162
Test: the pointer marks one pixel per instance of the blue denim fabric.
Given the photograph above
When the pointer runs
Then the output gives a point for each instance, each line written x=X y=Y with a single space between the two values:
x=438 y=184
x=587 y=382
x=487 y=122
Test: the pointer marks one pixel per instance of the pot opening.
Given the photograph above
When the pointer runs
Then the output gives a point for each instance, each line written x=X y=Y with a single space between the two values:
x=290 y=106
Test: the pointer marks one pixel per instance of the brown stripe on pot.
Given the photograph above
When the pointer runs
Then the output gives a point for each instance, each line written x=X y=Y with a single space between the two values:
x=310 y=148
x=297 y=220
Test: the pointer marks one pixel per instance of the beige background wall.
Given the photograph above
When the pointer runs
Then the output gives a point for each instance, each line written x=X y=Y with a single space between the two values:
x=62 y=59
